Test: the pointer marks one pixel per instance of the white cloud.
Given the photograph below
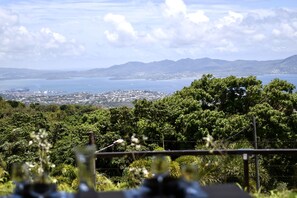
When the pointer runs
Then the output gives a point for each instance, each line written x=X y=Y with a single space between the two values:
x=287 y=30
x=276 y=32
x=259 y=37
x=233 y=18
x=8 y=18
x=51 y=43
x=181 y=27
x=198 y=17
x=174 y=8
x=227 y=31
x=111 y=36
x=56 y=37
x=16 y=41
x=226 y=46
x=120 y=23
x=123 y=32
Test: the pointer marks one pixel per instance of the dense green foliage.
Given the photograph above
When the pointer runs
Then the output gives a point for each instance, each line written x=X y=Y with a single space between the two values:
x=221 y=107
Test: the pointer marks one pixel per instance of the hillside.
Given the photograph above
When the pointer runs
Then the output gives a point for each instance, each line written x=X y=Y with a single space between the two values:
x=167 y=69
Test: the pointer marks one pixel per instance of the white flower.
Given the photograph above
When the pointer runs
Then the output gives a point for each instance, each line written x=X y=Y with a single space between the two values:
x=209 y=140
x=119 y=141
x=134 y=139
x=40 y=170
x=54 y=180
x=144 y=137
x=29 y=164
x=30 y=142
x=145 y=172
x=137 y=147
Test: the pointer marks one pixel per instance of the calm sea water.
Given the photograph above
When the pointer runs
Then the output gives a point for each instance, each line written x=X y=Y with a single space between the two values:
x=99 y=85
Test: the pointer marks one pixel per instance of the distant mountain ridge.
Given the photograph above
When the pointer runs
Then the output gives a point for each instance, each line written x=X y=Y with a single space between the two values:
x=166 y=69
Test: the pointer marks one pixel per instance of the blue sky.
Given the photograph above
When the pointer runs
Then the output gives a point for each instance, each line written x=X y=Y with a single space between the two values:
x=85 y=34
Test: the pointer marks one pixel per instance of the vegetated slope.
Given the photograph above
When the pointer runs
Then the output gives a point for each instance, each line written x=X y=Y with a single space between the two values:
x=167 y=69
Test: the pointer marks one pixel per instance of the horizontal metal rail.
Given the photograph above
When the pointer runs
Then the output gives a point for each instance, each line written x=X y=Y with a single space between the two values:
x=178 y=153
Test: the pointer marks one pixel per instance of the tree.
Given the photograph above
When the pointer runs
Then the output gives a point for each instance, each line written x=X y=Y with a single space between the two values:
x=122 y=121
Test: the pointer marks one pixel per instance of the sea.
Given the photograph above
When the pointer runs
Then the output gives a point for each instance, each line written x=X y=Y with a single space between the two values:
x=102 y=85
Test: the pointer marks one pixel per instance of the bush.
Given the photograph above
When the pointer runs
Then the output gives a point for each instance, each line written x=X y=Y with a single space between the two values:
x=104 y=184
x=6 y=188
x=136 y=172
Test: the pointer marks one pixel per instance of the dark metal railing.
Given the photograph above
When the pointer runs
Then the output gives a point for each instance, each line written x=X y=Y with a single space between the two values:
x=177 y=153
x=246 y=153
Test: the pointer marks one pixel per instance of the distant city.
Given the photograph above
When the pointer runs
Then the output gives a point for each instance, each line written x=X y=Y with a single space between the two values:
x=107 y=99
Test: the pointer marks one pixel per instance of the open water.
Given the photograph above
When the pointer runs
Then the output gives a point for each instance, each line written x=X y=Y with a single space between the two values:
x=100 y=85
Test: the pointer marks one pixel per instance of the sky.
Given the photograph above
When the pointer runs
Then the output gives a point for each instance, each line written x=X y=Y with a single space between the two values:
x=86 y=34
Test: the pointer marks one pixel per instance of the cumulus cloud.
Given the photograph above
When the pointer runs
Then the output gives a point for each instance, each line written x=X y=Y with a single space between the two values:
x=198 y=17
x=206 y=30
x=121 y=31
x=286 y=30
x=233 y=18
x=174 y=8
x=17 y=41
x=55 y=44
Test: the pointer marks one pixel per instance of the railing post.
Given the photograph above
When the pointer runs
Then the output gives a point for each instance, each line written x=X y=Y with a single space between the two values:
x=246 y=185
x=256 y=156
x=92 y=142
x=91 y=138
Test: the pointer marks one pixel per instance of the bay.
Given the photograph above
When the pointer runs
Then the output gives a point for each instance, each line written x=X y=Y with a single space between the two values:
x=100 y=85
x=95 y=85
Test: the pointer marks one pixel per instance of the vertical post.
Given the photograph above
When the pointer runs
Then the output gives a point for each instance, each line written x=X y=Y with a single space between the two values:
x=163 y=142
x=91 y=138
x=256 y=156
x=92 y=142
x=246 y=172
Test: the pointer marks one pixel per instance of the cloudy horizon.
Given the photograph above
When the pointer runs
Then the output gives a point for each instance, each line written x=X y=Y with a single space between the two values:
x=85 y=34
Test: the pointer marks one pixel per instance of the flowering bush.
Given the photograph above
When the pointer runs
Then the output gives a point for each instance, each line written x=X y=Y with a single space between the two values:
x=134 y=174
x=40 y=168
